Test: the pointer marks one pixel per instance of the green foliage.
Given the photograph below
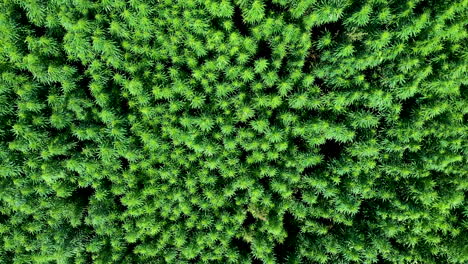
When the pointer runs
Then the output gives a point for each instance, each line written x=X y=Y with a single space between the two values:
x=233 y=131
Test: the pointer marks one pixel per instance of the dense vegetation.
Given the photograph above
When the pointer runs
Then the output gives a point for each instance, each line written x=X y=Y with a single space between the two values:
x=233 y=131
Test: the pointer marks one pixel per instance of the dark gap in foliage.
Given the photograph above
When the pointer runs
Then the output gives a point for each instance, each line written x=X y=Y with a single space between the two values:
x=422 y=6
x=90 y=15
x=38 y=31
x=337 y=31
x=301 y=144
x=119 y=103
x=324 y=89
x=82 y=196
x=124 y=107
x=311 y=170
x=331 y=149
x=167 y=63
x=366 y=210
x=118 y=203
x=20 y=72
x=243 y=155
x=124 y=163
x=338 y=118
x=381 y=260
x=195 y=260
x=355 y=6
x=409 y=157
x=274 y=8
x=284 y=251
x=58 y=33
x=242 y=246
x=443 y=118
x=408 y=106
x=82 y=79
x=464 y=92
x=239 y=22
x=312 y=58
x=106 y=183
x=441 y=259
x=460 y=212
x=297 y=194
x=396 y=245
x=217 y=23
x=89 y=258
x=81 y=144
x=5 y=135
x=141 y=184
x=334 y=28
x=186 y=71
x=82 y=193
x=9 y=256
x=62 y=157
x=264 y=50
x=283 y=71
x=129 y=249
x=325 y=221
x=3 y=217
x=371 y=75
x=275 y=118
x=22 y=19
x=250 y=219
x=84 y=87
x=257 y=261
x=265 y=183
x=371 y=110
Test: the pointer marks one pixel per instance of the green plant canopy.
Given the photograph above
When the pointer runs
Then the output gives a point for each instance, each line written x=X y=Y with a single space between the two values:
x=233 y=131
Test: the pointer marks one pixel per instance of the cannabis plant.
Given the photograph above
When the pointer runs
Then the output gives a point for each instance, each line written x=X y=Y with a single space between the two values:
x=233 y=131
